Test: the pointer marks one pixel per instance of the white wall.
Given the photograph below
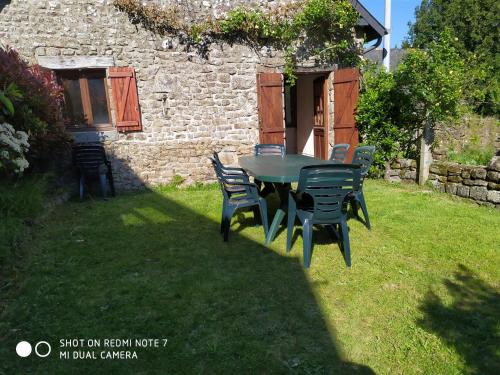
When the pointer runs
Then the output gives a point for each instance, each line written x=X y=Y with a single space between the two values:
x=305 y=114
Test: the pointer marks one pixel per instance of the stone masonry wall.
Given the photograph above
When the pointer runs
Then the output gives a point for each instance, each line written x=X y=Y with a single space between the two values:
x=478 y=183
x=189 y=105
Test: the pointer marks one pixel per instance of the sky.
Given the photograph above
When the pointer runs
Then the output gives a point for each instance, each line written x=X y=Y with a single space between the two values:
x=403 y=11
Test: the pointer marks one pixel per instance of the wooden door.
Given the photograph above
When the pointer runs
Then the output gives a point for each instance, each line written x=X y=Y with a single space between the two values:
x=320 y=126
x=271 y=108
x=346 y=89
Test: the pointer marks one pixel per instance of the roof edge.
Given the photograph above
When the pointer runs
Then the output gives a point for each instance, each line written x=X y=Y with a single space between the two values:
x=369 y=18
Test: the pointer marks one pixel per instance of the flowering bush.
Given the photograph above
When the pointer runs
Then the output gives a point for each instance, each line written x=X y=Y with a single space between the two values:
x=42 y=94
x=13 y=147
x=31 y=100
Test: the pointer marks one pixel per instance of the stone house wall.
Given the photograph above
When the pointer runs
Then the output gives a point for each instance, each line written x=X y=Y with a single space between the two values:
x=478 y=183
x=190 y=105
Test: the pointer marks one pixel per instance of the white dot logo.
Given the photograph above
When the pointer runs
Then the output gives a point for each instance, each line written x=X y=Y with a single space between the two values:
x=39 y=352
x=23 y=349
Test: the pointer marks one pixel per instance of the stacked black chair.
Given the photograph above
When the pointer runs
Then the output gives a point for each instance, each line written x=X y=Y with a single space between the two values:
x=92 y=164
x=237 y=192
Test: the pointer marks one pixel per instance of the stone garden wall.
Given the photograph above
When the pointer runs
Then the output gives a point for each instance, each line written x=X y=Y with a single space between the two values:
x=478 y=183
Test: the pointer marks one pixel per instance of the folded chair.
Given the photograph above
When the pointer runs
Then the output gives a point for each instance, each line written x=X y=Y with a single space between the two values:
x=339 y=153
x=238 y=192
x=268 y=149
x=92 y=164
x=363 y=156
x=321 y=198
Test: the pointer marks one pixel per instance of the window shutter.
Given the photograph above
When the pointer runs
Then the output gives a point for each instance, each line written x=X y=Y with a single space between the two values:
x=346 y=89
x=126 y=101
x=271 y=108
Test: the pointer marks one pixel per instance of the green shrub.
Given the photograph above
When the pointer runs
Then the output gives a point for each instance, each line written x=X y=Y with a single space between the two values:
x=375 y=116
x=20 y=202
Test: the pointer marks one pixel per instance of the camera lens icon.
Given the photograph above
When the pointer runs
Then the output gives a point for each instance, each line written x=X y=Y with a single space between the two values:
x=42 y=349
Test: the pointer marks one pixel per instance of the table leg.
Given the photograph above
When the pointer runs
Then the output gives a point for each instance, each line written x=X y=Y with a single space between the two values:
x=283 y=190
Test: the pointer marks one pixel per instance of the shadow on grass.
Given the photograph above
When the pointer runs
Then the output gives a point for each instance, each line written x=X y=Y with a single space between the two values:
x=470 y=324
x=155 y=265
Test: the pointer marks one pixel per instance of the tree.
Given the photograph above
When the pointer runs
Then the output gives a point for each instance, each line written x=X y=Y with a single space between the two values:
x=430 y=84
x=475 y=25
x=396 y=110
x=376 y=118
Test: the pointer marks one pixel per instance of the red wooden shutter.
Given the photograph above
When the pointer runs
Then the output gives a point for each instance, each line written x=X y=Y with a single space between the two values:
x=346 y=90
x=271 y=108
x=124 y=88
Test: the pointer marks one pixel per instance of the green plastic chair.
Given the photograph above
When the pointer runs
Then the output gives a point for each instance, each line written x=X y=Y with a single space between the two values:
x=268 y=149
x=238 y=192
x=321 y=198
x=339 y=153
x=225 y=169
x=363 y=156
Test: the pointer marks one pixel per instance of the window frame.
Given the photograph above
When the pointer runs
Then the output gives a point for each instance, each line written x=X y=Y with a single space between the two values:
x=83 y=75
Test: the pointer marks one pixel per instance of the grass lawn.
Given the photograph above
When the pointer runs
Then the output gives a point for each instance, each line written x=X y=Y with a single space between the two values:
x=422 y=296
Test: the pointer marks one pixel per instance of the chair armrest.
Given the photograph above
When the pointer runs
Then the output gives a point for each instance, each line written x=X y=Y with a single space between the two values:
x=241 y=183
x=234 y=170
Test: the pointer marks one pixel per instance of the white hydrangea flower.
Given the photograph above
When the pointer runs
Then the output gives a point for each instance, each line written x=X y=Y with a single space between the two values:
x=21 y=164
x=13 y=146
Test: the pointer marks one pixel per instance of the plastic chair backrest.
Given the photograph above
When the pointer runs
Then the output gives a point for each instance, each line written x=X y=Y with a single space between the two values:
x=270 y=149
x=89 y=157
x=216 y=159
x=225 y=179
x=339 y=152
x=328 y=185
x=363 y=156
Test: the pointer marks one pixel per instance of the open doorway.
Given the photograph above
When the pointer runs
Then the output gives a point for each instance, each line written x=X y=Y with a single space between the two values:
x=306 y=116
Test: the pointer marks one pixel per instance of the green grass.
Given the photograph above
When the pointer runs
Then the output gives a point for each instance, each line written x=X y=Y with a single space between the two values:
x=472 y=155
x=422 y=296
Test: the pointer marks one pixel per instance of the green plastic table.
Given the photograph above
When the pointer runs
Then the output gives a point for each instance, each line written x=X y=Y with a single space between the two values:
x=282 y=171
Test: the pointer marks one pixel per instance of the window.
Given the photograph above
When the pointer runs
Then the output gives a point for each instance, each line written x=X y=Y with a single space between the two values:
x=86 y=99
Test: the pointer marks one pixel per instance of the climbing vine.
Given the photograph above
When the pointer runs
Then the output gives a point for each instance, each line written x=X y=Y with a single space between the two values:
x=318 y=29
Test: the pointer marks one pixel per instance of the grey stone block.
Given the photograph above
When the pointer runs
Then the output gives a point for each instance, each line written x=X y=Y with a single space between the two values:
x=494 y=164
x=479 y=173
x=439 y=169
x=463 y=191
x=478 y=193
x=454 y=169
x=454 y=179
x=438 y=186
x=451 y=188
x=493 y=196
x=493 y=176
x=475 y=182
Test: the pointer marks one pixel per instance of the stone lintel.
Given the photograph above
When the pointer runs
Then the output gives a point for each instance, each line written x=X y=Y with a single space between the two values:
x=75 y=62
